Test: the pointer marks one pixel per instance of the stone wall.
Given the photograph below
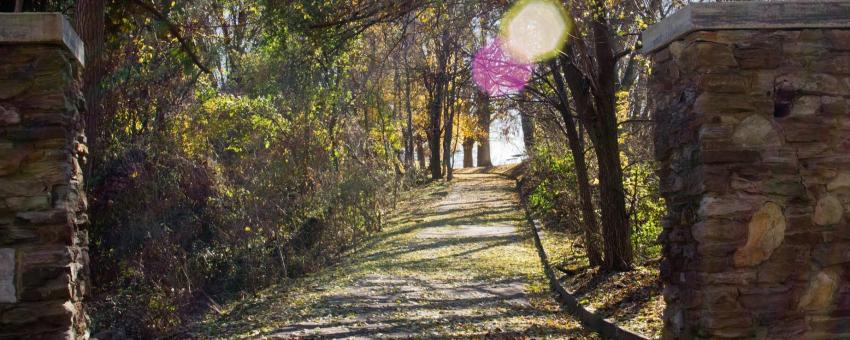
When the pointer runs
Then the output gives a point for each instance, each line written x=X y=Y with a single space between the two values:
x=43 y=238
x=753 y=144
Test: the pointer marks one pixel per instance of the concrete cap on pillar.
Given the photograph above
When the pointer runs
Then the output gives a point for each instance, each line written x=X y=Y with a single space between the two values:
x=746 y=15
x=41 y=28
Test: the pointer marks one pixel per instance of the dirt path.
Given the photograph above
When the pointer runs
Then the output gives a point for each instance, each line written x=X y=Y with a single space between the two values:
x=456 y=261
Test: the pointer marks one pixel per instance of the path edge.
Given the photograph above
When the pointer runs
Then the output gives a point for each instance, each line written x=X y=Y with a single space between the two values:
x=595 y=322
x=605 y=327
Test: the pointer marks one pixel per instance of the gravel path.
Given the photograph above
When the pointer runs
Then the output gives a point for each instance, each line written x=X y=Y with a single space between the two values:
x=454 y=262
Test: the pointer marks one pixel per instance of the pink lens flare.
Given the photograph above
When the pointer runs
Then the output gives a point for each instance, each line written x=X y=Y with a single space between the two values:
x=496 y=73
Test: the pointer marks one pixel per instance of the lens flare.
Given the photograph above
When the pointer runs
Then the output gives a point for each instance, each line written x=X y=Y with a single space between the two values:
x=496 y=73
x=535 y=30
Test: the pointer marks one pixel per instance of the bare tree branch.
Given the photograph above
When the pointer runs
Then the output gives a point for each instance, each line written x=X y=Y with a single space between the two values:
x=175 y=31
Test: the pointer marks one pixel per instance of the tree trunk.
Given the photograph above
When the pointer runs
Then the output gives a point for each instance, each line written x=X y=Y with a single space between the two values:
x=468 y=143
x=484 y=152
x=591 y=227
x=435 y=115
x=615 y=222
x=527 y=123
x=332 y=134
x=483 y=112
x=408 y=140
x=89 y=24
x=618 y=243
x=597 y=112
x=437 y=91
x=420 y=154
x=448 y=126
x=591 y=234
x=447 y=147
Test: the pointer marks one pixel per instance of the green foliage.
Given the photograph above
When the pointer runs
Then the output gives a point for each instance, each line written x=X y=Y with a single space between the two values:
x=219 y=184
x=554 y=196
x=647 y=208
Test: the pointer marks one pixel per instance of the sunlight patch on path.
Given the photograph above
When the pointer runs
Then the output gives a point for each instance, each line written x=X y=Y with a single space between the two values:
x=468 y=231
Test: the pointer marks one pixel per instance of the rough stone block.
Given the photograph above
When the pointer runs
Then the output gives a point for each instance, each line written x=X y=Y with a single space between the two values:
x=766 y=301
x=815 y=83
x=720 y=104
x=831 y=325
x=806 y=106
x=797 y=131
x=780 y=325
x=737 y=277
x=717 y=249
x=7 y=275
x=828 y=211
x=29 y=203
x=39 y=318
x=758 y=55
x=726 y=83
x=734 y=325
x=804 y=238
x=706 y=55
x=811 y=150
x=48 y=171
x=783 y=186
x=21 y=187
x=57 y=288
x=808 y=44
x=714 y=264
x=13 y=234
x=766 y=233
x=18 y=133
x=822 y=287
x=55 y=216
x=729 y=156
x=831 y=254
x=725 y=207
x=718 y=231
x=8 y=114
x=835 y=106
x=756 y=131
x=839 y=40
x=787 y=262
x=11 y=161
x=841 y=182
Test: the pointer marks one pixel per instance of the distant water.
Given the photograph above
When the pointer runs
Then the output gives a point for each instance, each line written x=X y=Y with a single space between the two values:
x=506 y=145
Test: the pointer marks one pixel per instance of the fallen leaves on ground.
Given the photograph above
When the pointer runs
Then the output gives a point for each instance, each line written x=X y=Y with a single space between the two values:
x=631 y=299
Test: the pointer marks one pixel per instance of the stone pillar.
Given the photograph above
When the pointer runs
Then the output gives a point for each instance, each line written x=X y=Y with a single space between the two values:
x=753 y=143
x=43 y=238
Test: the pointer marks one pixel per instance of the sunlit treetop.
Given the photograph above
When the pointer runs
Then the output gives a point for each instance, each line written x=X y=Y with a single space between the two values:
x=535 y=30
